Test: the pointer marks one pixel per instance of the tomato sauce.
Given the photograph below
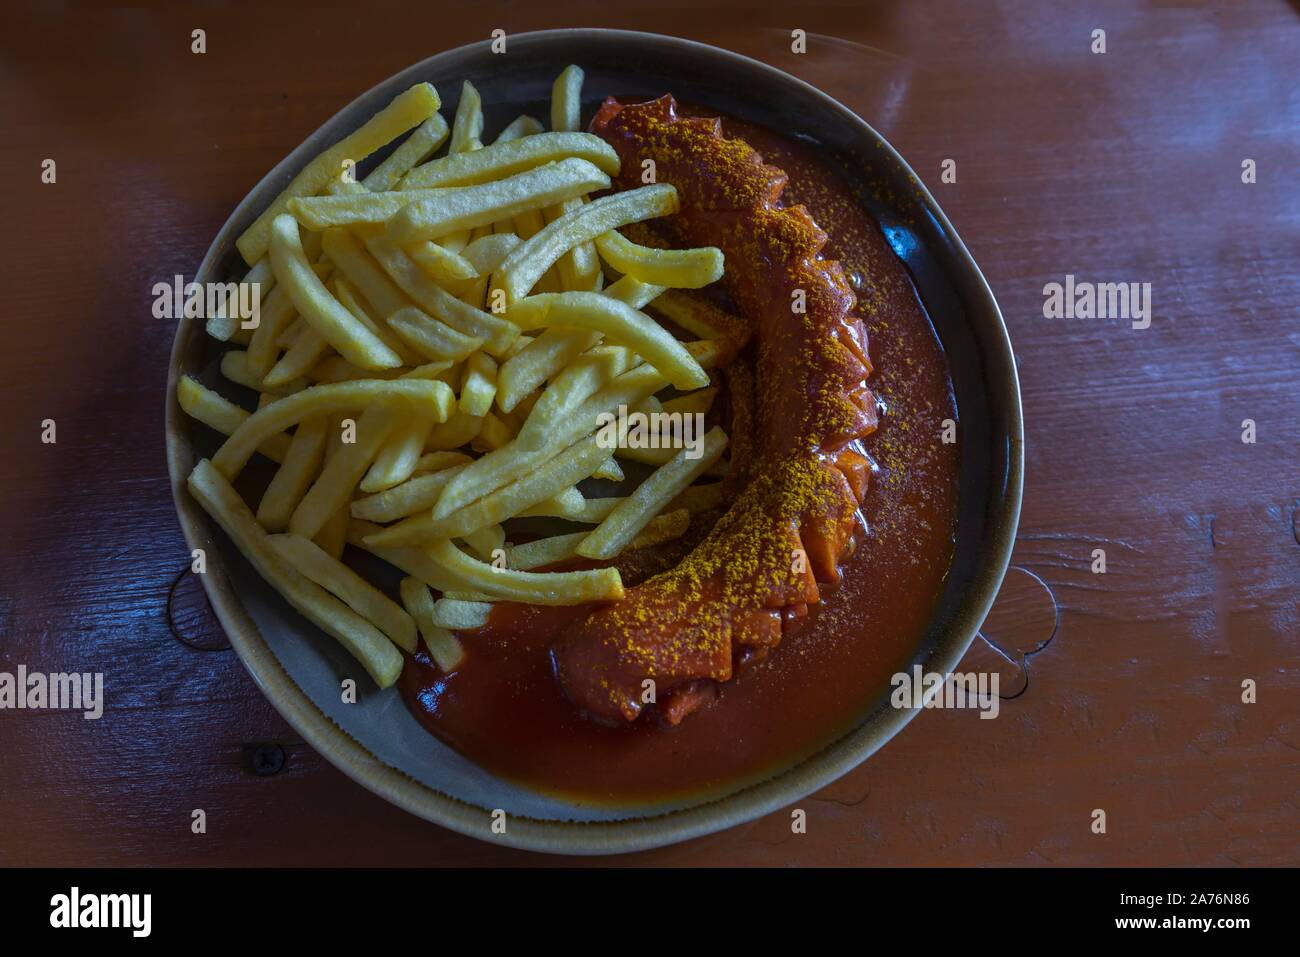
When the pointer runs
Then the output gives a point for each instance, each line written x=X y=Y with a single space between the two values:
x=503 y=708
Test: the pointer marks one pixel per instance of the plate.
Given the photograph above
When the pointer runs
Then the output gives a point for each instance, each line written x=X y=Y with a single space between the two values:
x=376 y=741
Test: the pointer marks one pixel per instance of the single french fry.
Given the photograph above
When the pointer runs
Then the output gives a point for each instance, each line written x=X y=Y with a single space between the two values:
x=566 y=99
x=580 y=379
x=579 y=268
x=507 y=157
x=219 y=413
x=486 y=253
x=396 y=460
x=355 y=207
x=467 y=126
x=406 y=111
x=609 y=470
x=460 y=615
x=416 y=494
x=521 y=126
x=235 y=367
x=675 y=268
x=432 y=339
x=565 y=504
x=492 y=434
x=424 y=139
x=465 y=207
x=538 y=588
x=479 y=386
x=526 y=264
x=634 y=292
x=485 y=542
x=443 y=646
x=460 y=429
x=648 y=499
x=365 y=599
x=441 y=264
x=277 y=313
x=314 y=303
x=620 y=324
x=440 y=461
x=365 y=642
x=332 y=536
x=540 y=360
x=303 y=461
x=428 y=397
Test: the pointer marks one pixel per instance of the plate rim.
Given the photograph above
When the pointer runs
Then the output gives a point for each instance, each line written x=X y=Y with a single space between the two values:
x=791 y=783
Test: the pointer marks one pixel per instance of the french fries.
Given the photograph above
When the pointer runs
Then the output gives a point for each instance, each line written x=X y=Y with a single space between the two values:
x=526 y=264
x=635 y=512
x=407 y=110
x=438 y=344
x=366 y=643
x=470 y=206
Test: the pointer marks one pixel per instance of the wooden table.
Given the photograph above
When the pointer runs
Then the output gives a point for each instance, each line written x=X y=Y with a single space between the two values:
x=1117 y=167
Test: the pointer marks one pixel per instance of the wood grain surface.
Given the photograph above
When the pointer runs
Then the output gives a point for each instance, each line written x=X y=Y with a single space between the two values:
x=1117 y=167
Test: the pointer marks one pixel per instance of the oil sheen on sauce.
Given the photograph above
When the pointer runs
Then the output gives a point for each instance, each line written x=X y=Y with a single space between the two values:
x=503 y=708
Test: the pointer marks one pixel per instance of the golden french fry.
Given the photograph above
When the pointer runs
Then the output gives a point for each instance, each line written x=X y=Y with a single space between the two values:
x=443 y=646
x=569 y=467
x=396 y=460
x=457 y=615
x=430 y=398
x=303 y=461
x=465 y=207
x=354 y=208
x=432 y=339
x=424 y=139
x=492 y=434
x=538 y=588
x=219 y=413
x=497 y=333
x=467 y=126
x=632 y=514
x=441 y=263
x=309 y=560
x=406 y=111
x=458 y=430
x=486 y=253
x=620 y=324
x=485 y=542
x=327 y=316
x=580 y=379
x=634 y=292
x=332 y=536
x=675 y=268
x=235 y=367
x=609 y=470
x=579 y=268
x=566 y=99
x=565 y=504
x=366 y=643
x=537 y=362
x=415 y=494
x=440 y=461
x=479 y=386
x=507 y=157
x=526 y=264
x=521 y=126
x=277 y=313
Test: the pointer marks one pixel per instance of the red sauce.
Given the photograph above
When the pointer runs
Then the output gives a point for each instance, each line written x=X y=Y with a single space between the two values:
x=503 y=708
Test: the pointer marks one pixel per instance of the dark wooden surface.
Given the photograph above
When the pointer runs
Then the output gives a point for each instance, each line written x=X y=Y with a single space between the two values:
x=1117 y=167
